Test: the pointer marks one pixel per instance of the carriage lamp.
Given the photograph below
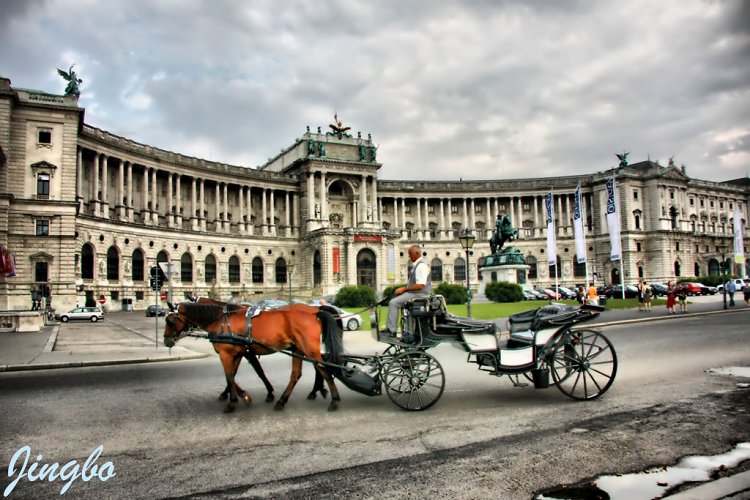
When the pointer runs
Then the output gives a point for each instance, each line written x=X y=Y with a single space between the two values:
x=467 y=241
x=290 y=268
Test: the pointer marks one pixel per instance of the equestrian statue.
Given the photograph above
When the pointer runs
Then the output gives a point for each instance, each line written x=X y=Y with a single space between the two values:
x=504 y=231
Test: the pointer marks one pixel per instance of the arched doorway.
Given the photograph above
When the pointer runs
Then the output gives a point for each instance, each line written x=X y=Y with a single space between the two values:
x=615 y=276
x=367 y=268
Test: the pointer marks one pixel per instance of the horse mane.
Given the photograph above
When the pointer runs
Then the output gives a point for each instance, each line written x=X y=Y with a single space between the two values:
x=203 y=314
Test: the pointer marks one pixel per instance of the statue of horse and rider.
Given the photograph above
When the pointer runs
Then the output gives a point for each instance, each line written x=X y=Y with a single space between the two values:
x=504 y=231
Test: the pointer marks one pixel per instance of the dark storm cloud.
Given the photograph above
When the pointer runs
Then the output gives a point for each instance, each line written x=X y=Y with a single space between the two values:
x=447 y=89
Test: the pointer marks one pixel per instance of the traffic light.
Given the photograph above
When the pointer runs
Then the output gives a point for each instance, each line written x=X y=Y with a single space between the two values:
x=157 y=278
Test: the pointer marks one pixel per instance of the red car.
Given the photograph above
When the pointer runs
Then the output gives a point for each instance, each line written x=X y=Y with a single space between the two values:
x=694 y=289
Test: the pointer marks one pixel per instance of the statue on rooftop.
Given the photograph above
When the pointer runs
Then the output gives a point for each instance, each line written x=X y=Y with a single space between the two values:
x=338 y=128
x=73 y=81
x=623 y=159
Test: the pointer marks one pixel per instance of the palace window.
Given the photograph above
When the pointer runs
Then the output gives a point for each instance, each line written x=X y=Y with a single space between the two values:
x=44 y=136
x=280 y=270
x=637 y=246
x=478 y=209
x=210 y=264
x=186 y=268
x=692 y=202
x=42 y=186
x=436 y=270
x=459 y=269
x=531 y=262
x=42 y=227
x=454 y=209
x=257 y=270
x=234 y=269
x=635 y=194
x=430 y=209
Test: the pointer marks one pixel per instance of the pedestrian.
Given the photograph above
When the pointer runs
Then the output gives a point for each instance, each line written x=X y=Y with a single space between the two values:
x=592 y=295
x=682 y=297
x=746 y=293
x=671 y=297
x=647 y=296
x=33 y=298
x=730 y=288
x=580 y=296
x=641 y=295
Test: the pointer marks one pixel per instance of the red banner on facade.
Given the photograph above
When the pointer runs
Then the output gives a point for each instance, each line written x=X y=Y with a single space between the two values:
x=375 y=238
x=336 y=260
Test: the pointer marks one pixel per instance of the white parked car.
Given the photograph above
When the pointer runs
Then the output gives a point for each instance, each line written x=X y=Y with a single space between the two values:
x=351 y=321
x=92 y=314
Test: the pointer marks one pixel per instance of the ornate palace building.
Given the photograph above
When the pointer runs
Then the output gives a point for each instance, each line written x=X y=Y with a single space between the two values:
x=88 y=213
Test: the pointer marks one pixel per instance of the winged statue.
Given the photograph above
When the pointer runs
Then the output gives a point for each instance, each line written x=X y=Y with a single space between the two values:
x=337 y=127
x=623 y=158
x=73 y=81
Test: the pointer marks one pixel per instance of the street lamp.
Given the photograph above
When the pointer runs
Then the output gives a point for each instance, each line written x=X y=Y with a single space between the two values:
x=290 y=268
x=723 y=268
x=467 y=241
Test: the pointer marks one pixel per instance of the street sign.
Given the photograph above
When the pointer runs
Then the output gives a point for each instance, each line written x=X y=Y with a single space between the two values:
x=102 y=300
x=163 y=296
x=167 y=268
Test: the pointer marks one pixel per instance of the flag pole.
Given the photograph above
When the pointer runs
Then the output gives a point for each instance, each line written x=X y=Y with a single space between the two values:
x=557 y=271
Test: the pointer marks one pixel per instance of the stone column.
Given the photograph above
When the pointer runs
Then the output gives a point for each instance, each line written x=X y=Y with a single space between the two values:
x=466 y=217
x=287 y=215
x=154 y=197
x=567 y=215
x=241 y=226
x=105 y=187
x=193 y=205
x=323 y=199
x=374 y=200
x=559 y=215
x=442 y=220
x=363 y=199
x=512 y=211
x=489 y=222
x=131 y=206
x=403 y=217
x=449 y=209
x=79 y=180
x=310 y=196
x=94 y=207
x=520 y=218
x=146 y=211
x=202 y=205
x=395 y=213
x=178 y=192
x=250 y=225
x=120 y=192
x=272 y=212
x=227 y=222
x=264 y=212
x=419 y=227
x=217 y=208
x=170 y=212
x=472 y=217
x=535 y=231
x=295 y=209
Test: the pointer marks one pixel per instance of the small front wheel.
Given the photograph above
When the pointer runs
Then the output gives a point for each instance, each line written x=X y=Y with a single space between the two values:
x=352 y=324
x=94 y=319
x=583 y=364
x=64 y=319
x=414 y=380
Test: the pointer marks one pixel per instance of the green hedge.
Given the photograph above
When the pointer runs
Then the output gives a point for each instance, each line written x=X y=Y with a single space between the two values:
x=454 y=294
x=355 y=296
x=503 y=291
x=390 y=291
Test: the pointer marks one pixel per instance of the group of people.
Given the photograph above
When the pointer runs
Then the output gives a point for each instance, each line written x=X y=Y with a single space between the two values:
x=676 y=292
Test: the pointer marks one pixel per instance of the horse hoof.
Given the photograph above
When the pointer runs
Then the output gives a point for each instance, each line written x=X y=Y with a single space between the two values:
x=270 y=398
x=278 y=406
x=223 y=396
x=247 y=399
x=312 y=395
x=333 y=406
x=228 y=409
x=324 y=392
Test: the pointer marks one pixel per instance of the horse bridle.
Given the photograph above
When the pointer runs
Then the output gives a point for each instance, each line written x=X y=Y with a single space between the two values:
x=190 y=325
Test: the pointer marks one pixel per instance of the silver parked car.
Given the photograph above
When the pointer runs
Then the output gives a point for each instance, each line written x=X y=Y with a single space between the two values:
x=351 y=321
x=92 y=314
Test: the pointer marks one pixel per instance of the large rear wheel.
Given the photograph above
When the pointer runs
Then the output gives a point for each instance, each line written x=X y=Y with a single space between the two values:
x=414 y=380
x=583 y=364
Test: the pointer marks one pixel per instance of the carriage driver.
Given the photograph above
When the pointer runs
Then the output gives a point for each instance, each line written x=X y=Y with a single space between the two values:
x=418 y=285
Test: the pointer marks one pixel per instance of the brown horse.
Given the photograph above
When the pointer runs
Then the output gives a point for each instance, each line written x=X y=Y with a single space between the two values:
x=249 y=355
x=295 y=328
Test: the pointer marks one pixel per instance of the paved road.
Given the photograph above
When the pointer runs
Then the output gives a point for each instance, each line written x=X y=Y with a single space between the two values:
x=164 y=431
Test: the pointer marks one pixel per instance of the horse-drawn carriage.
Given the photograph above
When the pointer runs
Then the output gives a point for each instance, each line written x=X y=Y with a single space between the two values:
x=542 y=343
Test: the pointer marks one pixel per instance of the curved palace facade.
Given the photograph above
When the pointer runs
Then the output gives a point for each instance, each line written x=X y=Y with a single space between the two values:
x=88 y=213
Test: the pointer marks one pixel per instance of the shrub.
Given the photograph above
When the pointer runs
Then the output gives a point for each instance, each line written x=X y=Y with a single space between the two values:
x=355 y=296
x=454 y=294
x=503 y=291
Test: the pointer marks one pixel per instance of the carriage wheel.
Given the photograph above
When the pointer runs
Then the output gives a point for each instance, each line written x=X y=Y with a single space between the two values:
x=584 y=365
x=393 y=350
x=414 y=380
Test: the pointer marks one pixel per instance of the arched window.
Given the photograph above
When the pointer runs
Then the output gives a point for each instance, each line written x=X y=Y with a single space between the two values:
x=186 y=268
x=210 y=268
x=137 y=260
x=257 y=270
x=640 y=271
x=531 y=261
x=234 y=269
x=556 y=268
x=637 y=219
x=697 y=269
x=459 y=269
x=280 y=270
x=113 y=264
x=87 y=261
x=436 y=270
x=162 y=257
x=579 y=270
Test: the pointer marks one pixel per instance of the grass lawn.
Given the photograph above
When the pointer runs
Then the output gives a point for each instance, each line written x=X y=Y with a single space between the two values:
x=494 y=310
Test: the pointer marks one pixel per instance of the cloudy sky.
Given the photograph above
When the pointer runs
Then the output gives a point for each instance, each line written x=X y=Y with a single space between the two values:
x=474 y=89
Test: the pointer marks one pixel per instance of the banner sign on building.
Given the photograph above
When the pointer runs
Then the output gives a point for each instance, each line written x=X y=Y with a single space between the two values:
x=373 y=238
x=390 y=263
x=739 y=244
x=549 y=209
x=336 y=259
x=613 y=221
x=578 y=228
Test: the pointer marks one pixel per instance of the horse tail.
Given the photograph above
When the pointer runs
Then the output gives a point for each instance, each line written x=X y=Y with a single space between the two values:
x=332 y=330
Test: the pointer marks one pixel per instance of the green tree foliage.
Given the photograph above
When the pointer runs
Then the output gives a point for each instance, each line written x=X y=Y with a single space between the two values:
x=454 y=294
x=502 y=291
x=355 y=296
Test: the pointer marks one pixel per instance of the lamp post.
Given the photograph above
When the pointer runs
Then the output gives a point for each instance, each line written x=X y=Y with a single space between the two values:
x=290 y=268
x=467 y=241
x=723 y=268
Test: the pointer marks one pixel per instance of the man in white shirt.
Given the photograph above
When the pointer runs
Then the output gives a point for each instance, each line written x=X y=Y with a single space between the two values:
x=419 y=284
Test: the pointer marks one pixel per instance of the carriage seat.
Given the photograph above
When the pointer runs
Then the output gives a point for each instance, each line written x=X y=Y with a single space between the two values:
x=427 y=306
x=524 y=324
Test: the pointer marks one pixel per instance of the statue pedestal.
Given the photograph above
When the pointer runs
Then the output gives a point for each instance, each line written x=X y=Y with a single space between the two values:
x=512 y=273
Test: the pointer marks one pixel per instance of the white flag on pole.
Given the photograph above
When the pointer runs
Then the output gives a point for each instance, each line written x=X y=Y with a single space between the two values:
x=613 y=221
x=578 y=228
x=739 y=244
x=551 y=247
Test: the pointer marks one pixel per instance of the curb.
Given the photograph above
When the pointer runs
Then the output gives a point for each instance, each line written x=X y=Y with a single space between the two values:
x=720 y=488
x=83 y=364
